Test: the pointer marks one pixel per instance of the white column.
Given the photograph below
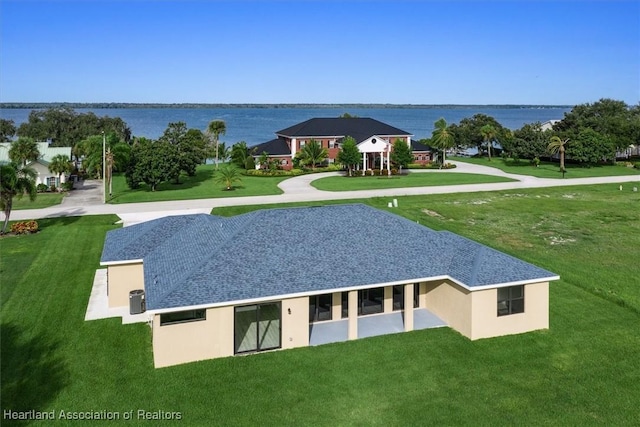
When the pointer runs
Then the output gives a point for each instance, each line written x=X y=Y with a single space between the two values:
x=293 y=148
x=353 y=315
x=388 y=160
x=364 y=163
x=381 y=160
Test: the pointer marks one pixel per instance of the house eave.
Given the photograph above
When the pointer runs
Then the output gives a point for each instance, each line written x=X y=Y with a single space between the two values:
x=123 y=262
x=250 y=301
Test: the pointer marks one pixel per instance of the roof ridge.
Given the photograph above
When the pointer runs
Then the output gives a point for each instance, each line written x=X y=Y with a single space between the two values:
x=175 y=285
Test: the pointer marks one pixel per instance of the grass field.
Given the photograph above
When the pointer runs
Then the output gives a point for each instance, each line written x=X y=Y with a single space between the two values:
x=43 y=200
x=415 y=179
x=549 y=169
x=201 y=186
x=582 y=371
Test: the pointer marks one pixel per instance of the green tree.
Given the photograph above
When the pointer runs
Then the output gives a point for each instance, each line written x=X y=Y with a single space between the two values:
x=467 y=133
x=401 y=155
x=15 y=181
x=312 y=154
x=215 y=129
x=227 y=174
x=152 y=162
x=90 y=151
x=488 y=133
x=23 y=151
x=557 y=145
x=349 y=155
x=528 y=142
x=66 y=128
x=185 y=153
x=614 y=120
x=60 y=164
x=7 y=130
x=591 y=147
x=442 y=138
x=239 y=154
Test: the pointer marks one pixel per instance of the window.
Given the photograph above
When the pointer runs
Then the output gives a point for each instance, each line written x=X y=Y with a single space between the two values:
x=370 y=301
x=182 y=317
x=510 y=300
x=345 y=305
x=320 y=307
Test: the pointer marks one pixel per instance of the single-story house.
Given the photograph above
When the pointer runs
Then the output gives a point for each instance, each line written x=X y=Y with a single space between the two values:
x=285 y=278
x=41 y=166
x=374 y=139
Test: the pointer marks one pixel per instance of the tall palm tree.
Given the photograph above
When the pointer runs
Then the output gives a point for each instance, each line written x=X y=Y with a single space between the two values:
x=23 y=151
x=443 y=138
x=227 y=175
x=558 y=145
x=488 y=135
x=60 y=163
x=217 y=128
x=15 y=182
x=313 y=153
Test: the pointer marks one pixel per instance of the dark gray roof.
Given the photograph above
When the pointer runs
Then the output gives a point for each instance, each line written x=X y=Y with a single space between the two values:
x=275 y=147
x=418 y=146
x=203 y=259
x=360 y=128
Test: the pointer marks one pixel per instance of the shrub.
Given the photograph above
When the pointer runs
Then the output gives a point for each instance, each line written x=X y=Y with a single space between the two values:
x=637 y=166
x=67 y=186
x=42 y=188
x=24 y=227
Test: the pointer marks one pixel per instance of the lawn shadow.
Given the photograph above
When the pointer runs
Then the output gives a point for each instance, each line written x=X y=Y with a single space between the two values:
x=33 y=372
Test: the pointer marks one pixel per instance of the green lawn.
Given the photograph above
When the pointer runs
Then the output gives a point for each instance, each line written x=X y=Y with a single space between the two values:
x=201 y=186
x=43 y=200
x=582 y=371
x=549 y=169
x=413 y=179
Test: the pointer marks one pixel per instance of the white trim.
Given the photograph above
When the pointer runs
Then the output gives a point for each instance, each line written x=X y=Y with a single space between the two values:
x=281 y=297
x=516 y=283
x=128 y=261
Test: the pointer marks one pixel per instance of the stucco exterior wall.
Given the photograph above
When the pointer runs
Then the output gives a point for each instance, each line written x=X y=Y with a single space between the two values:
x=487 y=323
x=122 y=279
x=450 y=302
x=192 y=341
x=295 y=326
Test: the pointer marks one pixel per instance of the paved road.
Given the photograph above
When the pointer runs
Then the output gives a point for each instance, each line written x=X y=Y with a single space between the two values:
x=88 y=201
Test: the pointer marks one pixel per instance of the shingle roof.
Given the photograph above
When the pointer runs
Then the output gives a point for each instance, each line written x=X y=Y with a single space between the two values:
x=203 y=259
x=275 y=147
x=418 y=146
x=360 y=128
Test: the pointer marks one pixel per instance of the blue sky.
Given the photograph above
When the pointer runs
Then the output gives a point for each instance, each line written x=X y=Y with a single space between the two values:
x=418 y=52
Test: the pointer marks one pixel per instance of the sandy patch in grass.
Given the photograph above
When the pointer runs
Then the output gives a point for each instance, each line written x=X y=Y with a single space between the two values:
x=432 y=213
x=559 y=240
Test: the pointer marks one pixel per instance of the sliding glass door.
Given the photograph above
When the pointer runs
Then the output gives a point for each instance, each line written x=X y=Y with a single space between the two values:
x=257 y=327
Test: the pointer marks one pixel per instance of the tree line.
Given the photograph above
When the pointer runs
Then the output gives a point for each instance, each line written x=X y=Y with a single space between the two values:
x=589 y=134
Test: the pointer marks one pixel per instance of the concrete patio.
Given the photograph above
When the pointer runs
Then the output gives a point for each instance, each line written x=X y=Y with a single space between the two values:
x=98 y=307
x=371 y=326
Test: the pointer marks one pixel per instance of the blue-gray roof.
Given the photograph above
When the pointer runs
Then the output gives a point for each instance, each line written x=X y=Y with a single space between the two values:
x=203 y=259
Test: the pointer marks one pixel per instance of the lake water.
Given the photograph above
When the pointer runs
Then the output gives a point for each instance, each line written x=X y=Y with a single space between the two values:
x=256 y=125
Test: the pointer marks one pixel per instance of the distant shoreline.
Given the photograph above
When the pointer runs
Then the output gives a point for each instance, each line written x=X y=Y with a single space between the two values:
x=122 y=105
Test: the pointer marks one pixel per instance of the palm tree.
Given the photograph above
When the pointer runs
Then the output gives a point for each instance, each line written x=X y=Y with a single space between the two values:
x=23 y=151
x=442 y=138
x=216 y=128
x=312 y=153
x=557 y=145
x=15 y=182
x=60 y=164
x=488 y=135
x=227 y=175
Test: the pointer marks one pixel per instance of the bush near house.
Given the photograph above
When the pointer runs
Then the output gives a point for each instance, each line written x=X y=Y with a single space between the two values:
x=42 y=188
x=24 y=227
